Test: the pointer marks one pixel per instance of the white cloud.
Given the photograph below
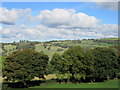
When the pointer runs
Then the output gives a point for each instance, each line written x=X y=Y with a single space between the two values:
x=55 y=24
x=12 y=16
x=42 y=33
x=67 y=17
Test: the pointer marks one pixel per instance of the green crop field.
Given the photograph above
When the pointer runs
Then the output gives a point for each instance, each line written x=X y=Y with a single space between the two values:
x=106 y=84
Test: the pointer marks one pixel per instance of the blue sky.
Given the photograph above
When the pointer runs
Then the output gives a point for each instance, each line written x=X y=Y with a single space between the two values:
x=43 y=21
x=105 y=15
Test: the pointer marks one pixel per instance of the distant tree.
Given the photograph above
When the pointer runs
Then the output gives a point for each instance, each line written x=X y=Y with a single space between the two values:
x=105 y=64
x=49 y=48
x=24 y=65
x=45 y=45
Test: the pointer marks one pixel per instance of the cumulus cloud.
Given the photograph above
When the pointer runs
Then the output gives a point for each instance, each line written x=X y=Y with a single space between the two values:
x=67 y=17
x=42 y=33
x=54 y=24
x=12 y=16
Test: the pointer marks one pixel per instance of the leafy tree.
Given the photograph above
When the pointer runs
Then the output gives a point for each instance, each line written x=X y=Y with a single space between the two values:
x=49 y=68
x=56 y=62
x=75 y=62
x=117 y=49
x=24 y=65
x=105 y=63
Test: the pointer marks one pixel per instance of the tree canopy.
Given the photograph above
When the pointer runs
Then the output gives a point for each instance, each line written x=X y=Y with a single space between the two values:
x=105 y=63
x=24 y=65
x=75 y=62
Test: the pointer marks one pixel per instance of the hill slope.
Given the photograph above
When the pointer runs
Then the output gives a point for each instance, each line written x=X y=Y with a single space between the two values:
x=51 y=47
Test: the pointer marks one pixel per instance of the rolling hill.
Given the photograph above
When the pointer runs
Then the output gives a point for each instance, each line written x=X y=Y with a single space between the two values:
x=51 y=47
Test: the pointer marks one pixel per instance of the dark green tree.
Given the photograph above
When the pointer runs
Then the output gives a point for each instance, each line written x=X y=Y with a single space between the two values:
x=105 y=63
x=75 y=62
x=56 y=62
x=24 y=65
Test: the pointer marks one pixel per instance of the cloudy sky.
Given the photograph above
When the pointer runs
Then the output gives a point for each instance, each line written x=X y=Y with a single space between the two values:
x=44 y=21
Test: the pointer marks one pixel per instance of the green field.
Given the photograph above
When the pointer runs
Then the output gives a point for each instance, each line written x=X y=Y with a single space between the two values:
x=9 y=47
x=53 y=49
x=106 y=84
x=57 y=46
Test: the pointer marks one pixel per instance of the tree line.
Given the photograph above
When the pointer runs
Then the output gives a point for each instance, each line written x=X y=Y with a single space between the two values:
x=74 y=65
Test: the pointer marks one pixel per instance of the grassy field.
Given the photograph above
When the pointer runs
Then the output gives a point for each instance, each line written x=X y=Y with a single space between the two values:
x=106 y=84
x=86 y=44
x=9 y=47
x=58 y=46
x=53 y=49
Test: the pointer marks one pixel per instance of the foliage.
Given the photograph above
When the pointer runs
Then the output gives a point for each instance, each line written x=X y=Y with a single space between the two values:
x=24 y=65
x=105 y=63
x=109 y=41
x=74 y=61
x=56 y=62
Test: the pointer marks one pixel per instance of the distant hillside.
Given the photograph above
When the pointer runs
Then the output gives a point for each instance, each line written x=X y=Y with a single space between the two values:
x=50 y=47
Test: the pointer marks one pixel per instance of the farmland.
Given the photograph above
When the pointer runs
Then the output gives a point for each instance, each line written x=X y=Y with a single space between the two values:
x=71 y=63
x=51 y=47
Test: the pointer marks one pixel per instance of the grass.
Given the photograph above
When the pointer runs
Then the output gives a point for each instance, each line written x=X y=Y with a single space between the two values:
x=106 y=84
x=53 y=49
x=86 y=44
x=109 y=38
x=9 y=47
x=105 y=44
x=2 y=59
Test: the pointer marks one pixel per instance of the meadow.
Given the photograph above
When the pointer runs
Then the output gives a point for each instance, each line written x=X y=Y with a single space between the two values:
x=106 y=84
x=52 y=47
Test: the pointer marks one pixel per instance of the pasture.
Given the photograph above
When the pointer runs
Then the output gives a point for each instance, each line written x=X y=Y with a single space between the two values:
x=50 y=48
x=106 y=84
x=9 y=47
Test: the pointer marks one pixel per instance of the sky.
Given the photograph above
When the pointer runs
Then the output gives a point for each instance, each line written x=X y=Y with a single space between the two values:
x=45 y=21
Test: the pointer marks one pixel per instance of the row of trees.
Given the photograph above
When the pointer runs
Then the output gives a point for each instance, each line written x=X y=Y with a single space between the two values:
x=73 y=65
x=94 y=65
x=115 y=42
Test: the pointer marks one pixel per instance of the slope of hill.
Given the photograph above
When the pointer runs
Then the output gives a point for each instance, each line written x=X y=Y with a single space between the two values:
x=51 y=47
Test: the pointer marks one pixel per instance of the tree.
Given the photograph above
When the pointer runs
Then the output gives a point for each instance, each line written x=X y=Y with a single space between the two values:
x=117 y=49
x=56 y=62
x=49 y=48
x=105 y=63
x=74 y=62
x=24 y=65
